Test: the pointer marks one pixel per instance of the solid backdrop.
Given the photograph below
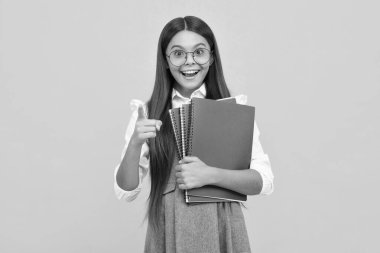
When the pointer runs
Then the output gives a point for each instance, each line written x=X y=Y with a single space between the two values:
x=69 y=69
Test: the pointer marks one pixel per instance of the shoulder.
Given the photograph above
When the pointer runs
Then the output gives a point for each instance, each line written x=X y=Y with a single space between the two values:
x=241 y=99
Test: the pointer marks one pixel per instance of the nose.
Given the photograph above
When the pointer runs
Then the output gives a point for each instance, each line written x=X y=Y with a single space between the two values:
x=189 y=60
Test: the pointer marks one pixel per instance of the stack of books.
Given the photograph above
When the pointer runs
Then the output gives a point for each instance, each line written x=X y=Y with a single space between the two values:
x=218 y=132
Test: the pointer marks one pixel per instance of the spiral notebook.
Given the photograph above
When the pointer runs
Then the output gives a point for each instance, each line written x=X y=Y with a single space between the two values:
x=180 y=118
x=220 y=134
x=185 y=114
x=176 y=125
x=180 y=123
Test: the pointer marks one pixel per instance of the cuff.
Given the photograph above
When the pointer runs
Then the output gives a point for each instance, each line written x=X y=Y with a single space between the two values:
x=122 y=194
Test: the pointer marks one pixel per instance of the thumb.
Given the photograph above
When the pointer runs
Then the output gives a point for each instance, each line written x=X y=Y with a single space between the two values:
x=141 y=114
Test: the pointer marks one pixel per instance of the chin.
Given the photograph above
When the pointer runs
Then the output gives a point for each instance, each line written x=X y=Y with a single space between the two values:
x=189 y=86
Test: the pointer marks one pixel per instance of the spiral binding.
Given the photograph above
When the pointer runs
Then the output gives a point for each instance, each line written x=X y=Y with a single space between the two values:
x=183 y=131
x=188 y=128
x=175 y=128
x=191 y=128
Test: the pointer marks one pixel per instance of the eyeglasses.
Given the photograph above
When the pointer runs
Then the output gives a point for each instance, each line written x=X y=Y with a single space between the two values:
x=179 y=57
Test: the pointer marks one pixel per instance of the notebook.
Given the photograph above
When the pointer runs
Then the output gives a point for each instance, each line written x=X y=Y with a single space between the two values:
x=181 y=122
x=176 y=124
x=185 y=114
x=180 y=119
x=220 y=134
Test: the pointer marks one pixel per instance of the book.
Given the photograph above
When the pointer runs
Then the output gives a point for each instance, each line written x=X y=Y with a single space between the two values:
x=176 y=125
x=220 y=134
x=185 y=114
x=180 y=119
x=181 y=123
x=196 y=199
x=180 y=128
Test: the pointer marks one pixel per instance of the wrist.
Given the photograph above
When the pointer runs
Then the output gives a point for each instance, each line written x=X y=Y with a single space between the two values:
x=136 y=144
x=214 y=176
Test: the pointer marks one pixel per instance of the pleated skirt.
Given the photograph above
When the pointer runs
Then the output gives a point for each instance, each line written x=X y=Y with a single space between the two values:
x=199 y=228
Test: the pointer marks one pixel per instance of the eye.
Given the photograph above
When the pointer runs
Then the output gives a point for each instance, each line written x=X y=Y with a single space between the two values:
x=178 y=53
x=200 y=51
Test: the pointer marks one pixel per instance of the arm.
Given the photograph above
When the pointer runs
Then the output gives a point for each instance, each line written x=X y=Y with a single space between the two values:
x=193 y=173
x=248 y=182
x=142 y=168
x=127 y=176
x=134 y=165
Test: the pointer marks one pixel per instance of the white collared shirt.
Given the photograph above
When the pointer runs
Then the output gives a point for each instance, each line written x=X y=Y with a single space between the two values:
x=259 y=161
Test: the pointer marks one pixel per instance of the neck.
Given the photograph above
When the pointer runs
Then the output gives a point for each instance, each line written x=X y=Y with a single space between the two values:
x=185 y=92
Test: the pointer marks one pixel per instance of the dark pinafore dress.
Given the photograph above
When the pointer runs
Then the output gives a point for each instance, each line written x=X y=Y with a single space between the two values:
x=199 y=228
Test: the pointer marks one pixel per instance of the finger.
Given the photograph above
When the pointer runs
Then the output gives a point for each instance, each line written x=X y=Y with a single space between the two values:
x=141 y=114
x=180 y=181
x=150 y=122
x=147 y=135
x=180 y=168
x=178 y=175
x=158 y=124
x=146 y=129
x=189 y=159
x=182 y=186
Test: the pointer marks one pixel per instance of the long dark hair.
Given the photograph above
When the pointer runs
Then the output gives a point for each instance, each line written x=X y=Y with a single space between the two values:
x=162 y=148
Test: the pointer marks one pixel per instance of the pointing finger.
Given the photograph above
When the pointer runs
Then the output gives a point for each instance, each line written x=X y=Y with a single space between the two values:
x=141 y=114
x=148 y=122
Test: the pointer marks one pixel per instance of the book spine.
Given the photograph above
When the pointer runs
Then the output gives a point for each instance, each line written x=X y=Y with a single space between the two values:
x=185 y=121
x=188 y=112
x=191 y=127
x=175 y=130
x=183 y=130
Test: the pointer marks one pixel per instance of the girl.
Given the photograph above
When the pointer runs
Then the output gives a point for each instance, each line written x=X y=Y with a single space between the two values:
x=188 y=65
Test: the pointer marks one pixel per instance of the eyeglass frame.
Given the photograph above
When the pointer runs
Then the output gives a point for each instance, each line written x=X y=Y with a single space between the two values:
x=192 y=55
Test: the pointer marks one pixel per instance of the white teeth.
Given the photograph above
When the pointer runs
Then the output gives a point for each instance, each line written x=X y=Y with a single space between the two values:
x=189 y=72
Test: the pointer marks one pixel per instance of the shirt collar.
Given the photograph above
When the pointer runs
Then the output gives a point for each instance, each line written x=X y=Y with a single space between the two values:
x=200 y=93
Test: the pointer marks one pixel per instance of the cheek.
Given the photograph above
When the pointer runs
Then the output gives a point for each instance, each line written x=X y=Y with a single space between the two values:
x=205 y=70
x=174 y=71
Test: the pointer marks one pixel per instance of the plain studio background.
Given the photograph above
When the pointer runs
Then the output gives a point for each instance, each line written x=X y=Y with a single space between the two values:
x=70 y=68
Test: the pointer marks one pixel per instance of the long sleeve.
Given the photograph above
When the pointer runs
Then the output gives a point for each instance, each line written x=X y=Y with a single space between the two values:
x=260 y=162
x=121 y=194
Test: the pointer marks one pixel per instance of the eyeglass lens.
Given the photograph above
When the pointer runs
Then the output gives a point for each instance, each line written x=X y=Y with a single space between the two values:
x=200 y=56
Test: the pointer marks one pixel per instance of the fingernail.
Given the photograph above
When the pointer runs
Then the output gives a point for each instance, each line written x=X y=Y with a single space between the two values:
x=158 y=125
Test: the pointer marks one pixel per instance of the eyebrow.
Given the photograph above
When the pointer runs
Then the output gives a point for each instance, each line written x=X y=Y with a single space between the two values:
x=199 y=44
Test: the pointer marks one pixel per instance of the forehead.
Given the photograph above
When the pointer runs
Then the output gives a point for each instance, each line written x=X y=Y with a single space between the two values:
x=187 y=40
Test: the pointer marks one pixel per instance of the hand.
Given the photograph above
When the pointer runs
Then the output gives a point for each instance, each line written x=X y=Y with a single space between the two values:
x=191 y=172
x=144 y=128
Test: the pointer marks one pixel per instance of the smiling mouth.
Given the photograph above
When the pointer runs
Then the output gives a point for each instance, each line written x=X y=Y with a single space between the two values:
x=189 y=73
